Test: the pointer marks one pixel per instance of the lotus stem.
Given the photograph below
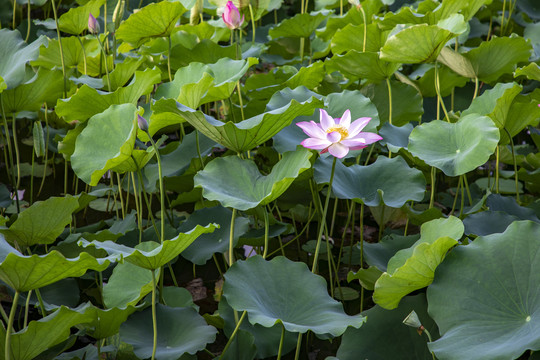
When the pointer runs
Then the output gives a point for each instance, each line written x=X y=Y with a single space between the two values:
x=60 y=47
x=84 y=55
x=438 y=90
x=252 y=24
x=10 y=325
x=298 y=345
x=456 y=196
x=233 y=334
x=154 y=317
x=28 y=8
x=432 y=197
x=26 y=308
x=515 y=164
x=281 y=342
x=105 y=62
x=497 y=170
x=46 y=113
x=169 y=57
x=120 y=195
x=266 y=226
x=161 y=190
x=365 y=26
x=231 y=238
x=323 y=218
x=17 y=160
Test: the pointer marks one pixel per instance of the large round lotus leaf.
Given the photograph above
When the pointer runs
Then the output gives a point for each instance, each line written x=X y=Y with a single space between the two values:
x=15 y=53
x=127 y=285
x=416 y=44
x=105 y=323
x=365 y=65
x=384 y=336
x=249 y=133
x=75 y=21
x=154 y=20
x=381 y=182
x=42 y=222
x=284 y=291
x=43 y=334
x=455 y=148
x=216 y=242
x=106 y=142
x=158 y=256
x=24 y=273
x=490 y=308
x=180 y=331
x=300 y=25
x=238 y=183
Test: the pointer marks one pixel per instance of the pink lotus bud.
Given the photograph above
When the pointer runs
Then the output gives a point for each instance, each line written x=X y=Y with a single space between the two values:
x=231 y=16
x=93 y=25
x=143 y=124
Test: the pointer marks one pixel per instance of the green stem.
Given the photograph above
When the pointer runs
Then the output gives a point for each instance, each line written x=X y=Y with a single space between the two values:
x=432 y=197
x=154 y=317
x=10 y=326
x=240 y=99
x=252 y=23
x=161 y=190
x=46 y=149
x=60 y=47
x=323 y=218
x=365 y=28
x=28 y=8
x=381 y=226
x=515 y=164
x=14 y=13
x=497 y=170
x=26 y=308
x=456 y=196
x=266 y=227
x=389 y=108
x=302 y=44
x=169 y=58
x=438 y=90
x=233 y=334
x=502 y=18
x=199 y=148
x=17 y=160
x=298 y=345
x=105 y=63
x=231 y=238
x=120 y=195
x=281 y=342
x=475 y=94
x=84 y=55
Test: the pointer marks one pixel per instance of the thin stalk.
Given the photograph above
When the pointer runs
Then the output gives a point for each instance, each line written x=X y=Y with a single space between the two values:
x=432 y=197
x=14 y=13
x=10 y=167
x=466 y=183
x=475 y=88
x=515 y=164
x=252 y=23
x=4 y=316
x=281 y=342
x=361 y=253
x=231 y=238
x=32 y=178
x=199 y=148
x=10 y=326
x=298 y=345
x=460 y=181
x=17 y=160
x=240 y=100
x=266 y=227
x=365 y=28
x=381 y=226
x=333 y=221
x=497 y=170
x=323 y=218
x=161 y=191
x=120 y=195
x=502 y=18
x=154 y=317
x=137 y=207
x=84 y=54
x=462 y=205
x=60 y=47
x=28 y=8
x=438 y=90
x=148 y=204
x=46 y=150
x=233 y=334
x=105 y=62
x=26 y=308
x=389 y=108
x=302 y=44
x=169 y=58
x=429 y=338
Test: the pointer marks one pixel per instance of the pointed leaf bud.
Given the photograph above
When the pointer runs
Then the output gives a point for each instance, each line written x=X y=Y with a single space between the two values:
x=93 y=25
x=143 y=124
x=231 y=16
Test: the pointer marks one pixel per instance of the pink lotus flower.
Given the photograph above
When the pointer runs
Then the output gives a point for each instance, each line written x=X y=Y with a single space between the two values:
x=93 y=25
x=337 y=136
x=231 y=16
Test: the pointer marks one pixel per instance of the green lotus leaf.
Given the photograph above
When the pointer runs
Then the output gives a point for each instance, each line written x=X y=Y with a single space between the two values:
x=351 y=37
x=238 y=183
x=365 y=65
x=45 y=333
x=500 y=320
x=49 y=57
x=154 y=20
x=105 y=323
x=457 y=62
x=262 y=288
x=181 y=330
x=413 y=268
x=448 y=80
x=407 y=103
x=455 y=148
x=531 y=71
x=123 y=72
x=378 y=254
x=3 y=85
x=495 y=102
x=384 y=336
x=206 y=51
x=157 y=257
x=216 y=242
x=379 y=183
x=104 y=143
x=75 y=21
x=137 y=161
x=300 y=25
x=498 y=56
x=127 y=285
x=208 y=83
x=416 y=44
x=87 y=102
x=488 y=222
x=15 y=54
x=249 y=133
x=42 y=222
x=45 y=86
x=24 y=273
x=523 y=112
x=353 y=16
x=395 y=137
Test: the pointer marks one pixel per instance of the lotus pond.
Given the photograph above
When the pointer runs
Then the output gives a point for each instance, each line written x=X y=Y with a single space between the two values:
x=269 y=179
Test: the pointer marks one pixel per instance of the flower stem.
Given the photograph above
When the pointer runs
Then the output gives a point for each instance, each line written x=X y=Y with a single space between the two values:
x=432 y=197
x=438 y=90
x=60 y=47
x=154 y=317
x=10 y=326
x=298 y=345
x=169 y=58
x=231 y=238
x=266 y=227
x=161 y=190
x=323 y=218
x=252 y=24
x=281 y=342
x=233 y=334
x=105 y=63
